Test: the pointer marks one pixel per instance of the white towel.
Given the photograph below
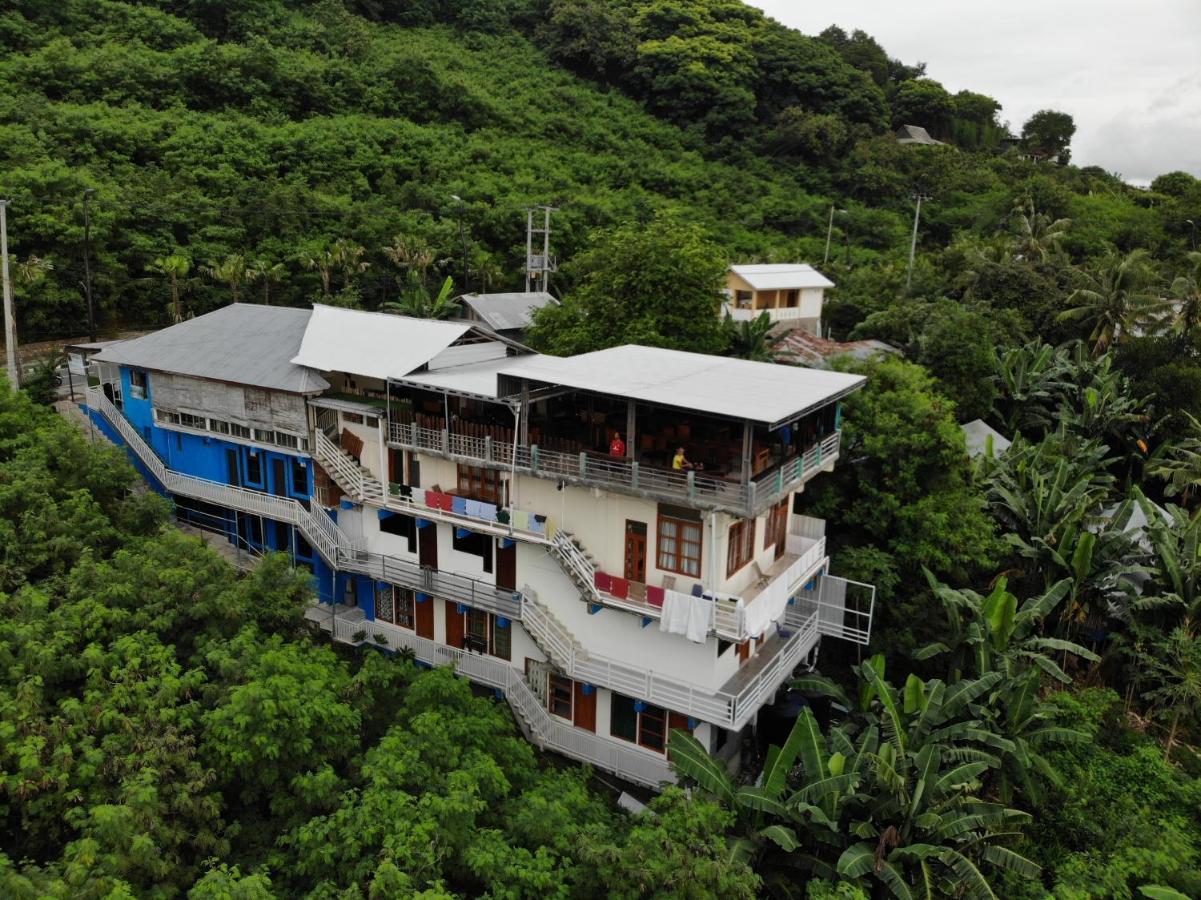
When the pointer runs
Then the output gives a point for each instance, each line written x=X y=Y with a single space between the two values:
x=768 y=607
x=700 y=611
x=676 y=612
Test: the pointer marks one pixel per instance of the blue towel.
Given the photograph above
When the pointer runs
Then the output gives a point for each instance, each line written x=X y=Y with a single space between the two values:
x=537 y=524
x=473 y=508
x=488 y=512
x=459 y=505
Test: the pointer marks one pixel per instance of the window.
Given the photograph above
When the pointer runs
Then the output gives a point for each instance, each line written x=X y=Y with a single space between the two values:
x=190 y=421
x=502 y=640
x=790 y=299
x=219 y=426
x=254 y=468
x=300 y=477
x=352 y=418
x=284 y=439
x=479 y=484
x=137 y=384
x=402 y=526
x=482 y=632
x=679 y=545
x=742 y=299
x=476 y=630
x=264 y=436
x=476 y=544
x=740 y=546
x=169 y=418
x=560 y=696
x=395 y=606
x=647 y=728
x=240 y=431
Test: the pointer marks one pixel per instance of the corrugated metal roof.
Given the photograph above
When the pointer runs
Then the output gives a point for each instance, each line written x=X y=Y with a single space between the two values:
x=978 y=434
x=241 y=344
x=377 y=345
x=781 y=276
x=476 y=378
x=736 y=388
x=504 y=312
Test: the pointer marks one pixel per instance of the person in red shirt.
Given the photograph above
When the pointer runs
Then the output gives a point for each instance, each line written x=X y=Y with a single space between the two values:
x=617 y=447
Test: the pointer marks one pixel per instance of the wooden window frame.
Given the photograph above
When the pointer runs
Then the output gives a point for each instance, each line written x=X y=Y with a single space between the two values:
x=652 y=726
x=676 y=561
x=480 y=483
x=740 y=545
x=484 y=639
x=403 y=605
x=553 y=700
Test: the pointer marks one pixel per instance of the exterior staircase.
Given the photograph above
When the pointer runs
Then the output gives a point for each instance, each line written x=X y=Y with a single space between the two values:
x=356 y=481
x=577 y=562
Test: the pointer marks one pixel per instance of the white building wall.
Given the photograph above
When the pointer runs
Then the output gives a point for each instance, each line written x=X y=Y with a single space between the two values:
x=811 y=303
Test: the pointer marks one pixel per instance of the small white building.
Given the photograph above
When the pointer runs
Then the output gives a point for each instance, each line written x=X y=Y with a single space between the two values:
x=787 y=292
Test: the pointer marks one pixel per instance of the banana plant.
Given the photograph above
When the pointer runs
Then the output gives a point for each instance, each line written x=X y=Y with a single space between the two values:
x=1175 y=565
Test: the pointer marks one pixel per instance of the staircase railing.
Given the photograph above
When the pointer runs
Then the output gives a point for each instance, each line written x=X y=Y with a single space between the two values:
x=351 y=477
x=572 y=557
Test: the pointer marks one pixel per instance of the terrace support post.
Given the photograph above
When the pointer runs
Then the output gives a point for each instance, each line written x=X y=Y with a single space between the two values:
x=631 y=421
x=747 y=443
x=488 y=448
x=524 y=419
x=583 y=464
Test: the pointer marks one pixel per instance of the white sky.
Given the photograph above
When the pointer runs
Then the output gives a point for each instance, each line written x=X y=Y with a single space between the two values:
x=1128 y=71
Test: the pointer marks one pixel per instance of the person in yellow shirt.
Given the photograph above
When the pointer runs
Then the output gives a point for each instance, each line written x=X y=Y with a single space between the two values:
x=679 y=462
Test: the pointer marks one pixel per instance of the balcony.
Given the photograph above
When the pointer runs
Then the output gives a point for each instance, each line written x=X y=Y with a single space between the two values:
x=478 y=445
x=776 y=314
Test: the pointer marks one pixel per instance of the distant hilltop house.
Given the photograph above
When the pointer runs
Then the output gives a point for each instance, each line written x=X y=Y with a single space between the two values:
x=787 y=292
x=507 y=314
x=915 y=134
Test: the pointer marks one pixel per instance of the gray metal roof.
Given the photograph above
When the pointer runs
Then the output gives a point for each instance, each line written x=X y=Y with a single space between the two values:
x=781 y=276
x=505 y=312
x=241 y=344
x=734 y=388
x=915 y=134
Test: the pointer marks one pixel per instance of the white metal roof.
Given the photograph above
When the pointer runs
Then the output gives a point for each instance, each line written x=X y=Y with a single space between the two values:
x=475 y=378
x=978 y=434
x=243 y=343
x=781 y=276
x=736 y=388
x=377 y=345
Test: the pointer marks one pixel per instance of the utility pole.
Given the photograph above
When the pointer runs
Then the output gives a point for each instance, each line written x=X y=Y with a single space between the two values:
x=10 y=324
x=87 y=264
x=462 y=239
x=538 y=266
x=830 y=231
x=917 y=214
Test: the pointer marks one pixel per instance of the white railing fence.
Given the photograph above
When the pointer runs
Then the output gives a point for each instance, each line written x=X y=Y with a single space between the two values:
x=841 y=607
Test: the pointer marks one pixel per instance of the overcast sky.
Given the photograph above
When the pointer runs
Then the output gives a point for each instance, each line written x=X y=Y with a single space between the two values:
x=1129 y=71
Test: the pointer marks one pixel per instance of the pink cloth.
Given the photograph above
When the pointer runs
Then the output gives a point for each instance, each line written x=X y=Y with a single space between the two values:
x=603 y=581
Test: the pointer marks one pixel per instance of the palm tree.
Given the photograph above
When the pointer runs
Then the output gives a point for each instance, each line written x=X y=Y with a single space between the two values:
x=232 y=270
x=410 y=253
x=325 y=262
x=33 y=269
x=1186 y=297
x=415 y=299
x=1114 y=298
x=349 y=256
x=1037 y=237
x=175 y=266
x=1175 y=564
x=752 y=339
x=1180 y=464
x=268 y=273
x=1031 y=381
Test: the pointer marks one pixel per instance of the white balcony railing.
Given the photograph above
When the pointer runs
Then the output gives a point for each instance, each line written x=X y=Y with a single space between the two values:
x=694 y=487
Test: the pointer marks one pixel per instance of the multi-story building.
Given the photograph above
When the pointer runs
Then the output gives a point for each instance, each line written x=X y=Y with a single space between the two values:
x=616 y=542
x=788 y=292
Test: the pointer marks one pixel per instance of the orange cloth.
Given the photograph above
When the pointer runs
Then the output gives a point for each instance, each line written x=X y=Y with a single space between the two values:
x=617 y=447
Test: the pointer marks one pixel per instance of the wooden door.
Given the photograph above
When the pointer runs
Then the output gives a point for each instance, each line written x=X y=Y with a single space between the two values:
x=778 y=523
x=396 y=466
x=454 y=625
x=506 y=566
x=676 y=720
x=635 y=562
x=744 y=652
x=584 y=714
x=423 y=612
x=279 y=476
x=427 y=546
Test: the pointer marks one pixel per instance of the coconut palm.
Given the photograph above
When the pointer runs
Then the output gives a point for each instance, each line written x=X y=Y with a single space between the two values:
x=1037 y=236
x=410 y=253
x=1186 y=297
x=232 y=270
x=176 y=267
x=349 y=256
x=268 y=273
x=752 y=339
x=325 y=263
x=1179 y=465
x=1115 y=298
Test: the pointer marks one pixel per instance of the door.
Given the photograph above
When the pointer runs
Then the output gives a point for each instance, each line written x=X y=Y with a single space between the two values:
x=423 y=612
x=279 y=476
x=231 y=464
x=635 y=568
x=396 y=466
x=454 y=625
x=778 y=523
x=506 y=566
x=427 y=546
x=585 y=708
x=676 y=720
